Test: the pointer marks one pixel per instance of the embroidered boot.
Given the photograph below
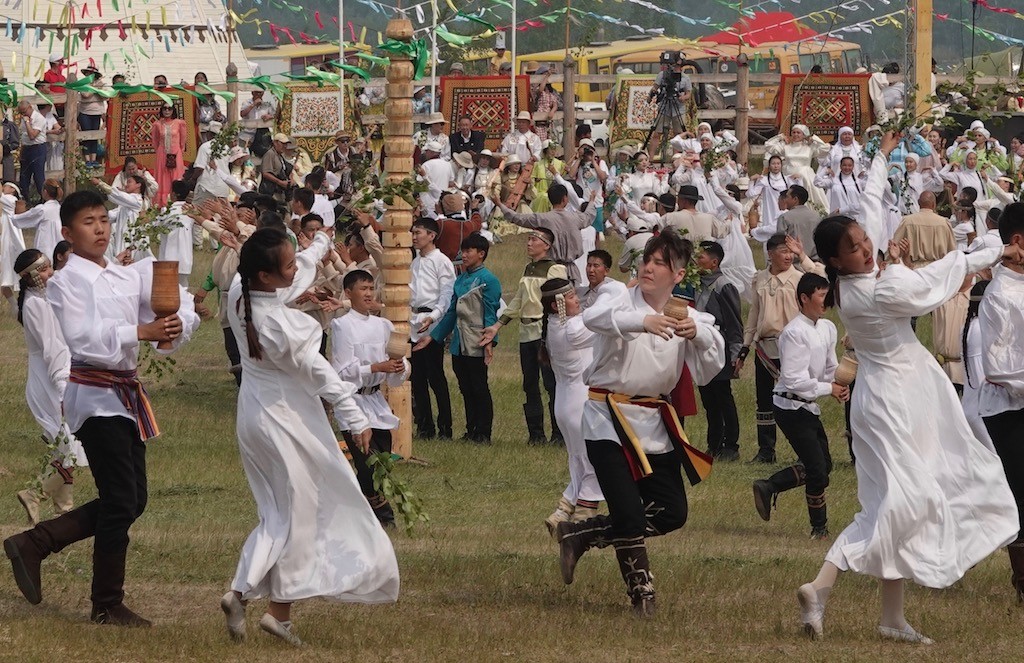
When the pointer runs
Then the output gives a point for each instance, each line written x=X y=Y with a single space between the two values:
x=574 y=539
x=636 y=571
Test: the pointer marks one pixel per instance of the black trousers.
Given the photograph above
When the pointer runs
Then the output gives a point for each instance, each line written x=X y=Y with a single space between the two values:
x=471 y=373
x=117 y=459
x=533 y=373
x=33 y=167
x=764 y=383
x=428 y=375
x=234 y=356
x=1007 y=432
x=652 y=506
x=723 y=420
x=807 y=436
x=380 y=441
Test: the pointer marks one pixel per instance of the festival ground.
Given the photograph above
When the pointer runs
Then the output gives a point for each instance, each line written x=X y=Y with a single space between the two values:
x=480 y=582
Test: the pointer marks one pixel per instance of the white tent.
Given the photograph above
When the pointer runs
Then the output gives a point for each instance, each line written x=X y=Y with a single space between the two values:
x=137 y=38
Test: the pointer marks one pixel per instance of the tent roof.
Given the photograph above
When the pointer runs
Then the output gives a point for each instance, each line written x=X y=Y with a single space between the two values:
x=763 y=27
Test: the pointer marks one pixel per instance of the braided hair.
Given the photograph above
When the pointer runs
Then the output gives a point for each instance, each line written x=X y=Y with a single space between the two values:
x=21 y=263
x=550 y=303
x=827 y=236
x=977 y=293
x=260 y=253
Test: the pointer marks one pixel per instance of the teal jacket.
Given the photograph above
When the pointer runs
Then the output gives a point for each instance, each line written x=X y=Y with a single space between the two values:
x=463 y=284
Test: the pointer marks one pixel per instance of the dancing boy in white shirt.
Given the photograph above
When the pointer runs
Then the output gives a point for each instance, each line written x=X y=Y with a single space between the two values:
x=636 y=443
x=807 y=346
x=359 y=354
x=104 y=313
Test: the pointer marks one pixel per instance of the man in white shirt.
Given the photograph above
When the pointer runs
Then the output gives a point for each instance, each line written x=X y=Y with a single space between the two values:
x=599 y=263
x=991 y=239
x=638 y=233
x=635 y=442
x=433 y=277
x=434 y=132
x=32 y=126
x=215 y=175
x=438 y=175
x=257 y=115
x=322 y=206
x=521 y=141
x=105 y=312
x=807 y=346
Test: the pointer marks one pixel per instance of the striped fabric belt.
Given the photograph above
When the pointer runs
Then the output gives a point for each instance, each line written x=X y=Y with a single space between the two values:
x=128 y=389
x=696 y=464
x=366 y=391
x=793 y=397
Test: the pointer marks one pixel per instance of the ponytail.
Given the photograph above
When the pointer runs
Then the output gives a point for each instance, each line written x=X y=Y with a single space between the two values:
x=260 y=253
x=252 y=338
x=21 y=304
x=827 y=236
x=973 y=308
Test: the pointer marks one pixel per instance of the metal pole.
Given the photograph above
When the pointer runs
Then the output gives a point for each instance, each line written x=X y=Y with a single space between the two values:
x=512 y=82
x=433 y=56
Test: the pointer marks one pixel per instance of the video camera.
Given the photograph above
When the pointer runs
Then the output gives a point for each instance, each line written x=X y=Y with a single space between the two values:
x=670 y=77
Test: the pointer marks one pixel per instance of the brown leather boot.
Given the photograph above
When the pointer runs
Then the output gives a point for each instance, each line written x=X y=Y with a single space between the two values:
x=1016 y=551
x=28 y=549
x=636 y=571
x=108 y=591
x=574 y=539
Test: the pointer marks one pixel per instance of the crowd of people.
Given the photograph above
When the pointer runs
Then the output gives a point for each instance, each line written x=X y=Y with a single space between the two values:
x=850 y=224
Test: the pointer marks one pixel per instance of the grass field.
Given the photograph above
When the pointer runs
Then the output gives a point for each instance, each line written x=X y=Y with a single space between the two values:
x=480 y=582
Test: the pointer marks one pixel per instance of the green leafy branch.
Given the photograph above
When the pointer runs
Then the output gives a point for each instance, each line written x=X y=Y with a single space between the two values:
x=396 y=490
x=223 y=141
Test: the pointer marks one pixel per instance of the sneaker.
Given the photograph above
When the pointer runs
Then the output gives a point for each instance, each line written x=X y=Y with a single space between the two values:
x=819 y=533
x=763 y=495
x=905 y=634
x=812 y=612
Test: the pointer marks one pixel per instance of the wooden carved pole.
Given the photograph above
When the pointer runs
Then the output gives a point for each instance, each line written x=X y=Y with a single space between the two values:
x=231 y=76
x=397 y=236
x=72 y=151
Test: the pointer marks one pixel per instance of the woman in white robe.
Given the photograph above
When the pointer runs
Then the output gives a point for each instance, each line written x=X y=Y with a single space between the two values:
x=44 y=219
x=738 y=265
x=49 y=367
x=317 y=536
x=128 y=203
x=915 y=182
x=934 y=501
x=800 y=149
x=968 y=175
x=12 y=242
x=845 y=146
x=844 y=189
x=767 y=187
x=569 y=346
x=644 y=180
x=974 y=367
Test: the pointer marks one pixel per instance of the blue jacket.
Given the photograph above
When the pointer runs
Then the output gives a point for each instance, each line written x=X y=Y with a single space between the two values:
x=463 y=284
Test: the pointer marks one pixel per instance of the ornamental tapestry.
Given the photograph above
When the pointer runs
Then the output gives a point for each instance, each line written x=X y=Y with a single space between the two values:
x=130 y=121
x=633 y=112
x=825 y=103
x=486 y=99
x=309 y=114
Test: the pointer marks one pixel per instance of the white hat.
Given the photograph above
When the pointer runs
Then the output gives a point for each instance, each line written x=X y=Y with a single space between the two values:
x=742 y=183
x=845 y=130
x=419 y=89
x=282 y=138
x=433 y=146
x=625 y=71
x=524 y=115
x=913 y=157
x=436 y=118
x=55 y=58
x=485 y=153
x=984 y=132
x=15 y=187
x=802 y=128
x=587 y=141
x=237 y=152
x=873 y=127
x=464 y=159
x=511 y=160
x=499 y=41
x=637 y=225
x=977 y=124
x=215 y=127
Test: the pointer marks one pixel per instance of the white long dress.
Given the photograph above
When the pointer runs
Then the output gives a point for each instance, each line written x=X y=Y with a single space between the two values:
x=127 y=211
x=12 y=242
x=975 y=377
x=49 y=366
x=45 y=218
x=769 y=187
x=570 y=347
x=738 y=264
x=317 y=536
x=934 y=500
x=797 y=158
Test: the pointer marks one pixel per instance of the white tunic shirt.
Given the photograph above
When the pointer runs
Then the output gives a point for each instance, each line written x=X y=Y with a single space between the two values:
x=627 y=360
x=525 y=146
x=357 y=342
x=323 y=208
x=1001 y=318
x=808 y=354
x=45 y=218
x=214 y=171
x=177 y=244
x=433 y=277
x=99 y=310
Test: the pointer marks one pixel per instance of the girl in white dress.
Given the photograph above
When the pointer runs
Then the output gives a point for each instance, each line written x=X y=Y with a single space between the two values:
x=800 y=148
x=738 y=265
x=49 y=367
x=643 y=180
x=934 y=501
x=44 y=218
x=767 y=187
x=968 y=175
x=12 y=243
x=317 y=536
x=844 y=189
x=569 y=347
x=974 y=368
x=129 y=203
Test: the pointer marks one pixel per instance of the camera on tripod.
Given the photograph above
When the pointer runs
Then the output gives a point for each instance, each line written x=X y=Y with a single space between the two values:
x=668 y=88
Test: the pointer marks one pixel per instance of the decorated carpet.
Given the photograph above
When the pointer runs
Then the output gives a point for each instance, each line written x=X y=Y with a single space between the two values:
x=633 y=112
x=130 y=121
x=486 y=99
x=309 y=114
x=825 y=102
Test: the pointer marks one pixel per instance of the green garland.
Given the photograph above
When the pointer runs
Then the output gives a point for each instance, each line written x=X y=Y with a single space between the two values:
x=395 y=490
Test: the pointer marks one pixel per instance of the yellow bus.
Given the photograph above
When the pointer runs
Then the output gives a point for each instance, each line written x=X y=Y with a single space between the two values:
x=294 y=58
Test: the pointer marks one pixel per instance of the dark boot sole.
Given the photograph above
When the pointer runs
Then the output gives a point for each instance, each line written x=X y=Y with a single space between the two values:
x=762 y=504
x=29 y=590
x=567 y=558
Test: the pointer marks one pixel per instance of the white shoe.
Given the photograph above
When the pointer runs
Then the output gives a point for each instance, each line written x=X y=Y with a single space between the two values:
x=234 y=613
x=812 y=611
x=905 y=634
x=276 y=628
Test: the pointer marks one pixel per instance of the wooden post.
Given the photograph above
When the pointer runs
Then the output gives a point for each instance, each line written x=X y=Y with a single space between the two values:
x=396 y=236
x=72 y=153
x=922 y=55
x=232 y=78
x=569 y=105
x=742 y=109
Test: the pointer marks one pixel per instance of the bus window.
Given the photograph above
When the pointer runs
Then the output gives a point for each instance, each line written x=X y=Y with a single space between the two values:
x=853 y=61
x=836 y=65
x=298 y=66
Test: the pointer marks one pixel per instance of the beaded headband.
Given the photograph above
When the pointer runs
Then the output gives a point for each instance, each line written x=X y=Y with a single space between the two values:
x=32 y=271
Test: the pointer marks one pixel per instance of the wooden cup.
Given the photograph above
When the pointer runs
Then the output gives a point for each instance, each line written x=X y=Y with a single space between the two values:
x=677 y=308
x=398 y=345
x=165 y=296
x=846 y=372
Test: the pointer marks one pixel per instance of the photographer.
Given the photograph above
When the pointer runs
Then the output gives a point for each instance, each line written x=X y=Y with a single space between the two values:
x=672 y=89
x=589 y=171
x=275 y=171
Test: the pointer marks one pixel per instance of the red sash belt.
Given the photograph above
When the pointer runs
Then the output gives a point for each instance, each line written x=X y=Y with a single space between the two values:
x=128 y=389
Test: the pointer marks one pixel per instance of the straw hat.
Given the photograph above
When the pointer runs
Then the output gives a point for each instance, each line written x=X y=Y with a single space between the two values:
x=742 y=183
x=436 y=118
x=524 y=115
x=512 y=160
x=236 y=153
x=282 y=138
x=464 y=159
